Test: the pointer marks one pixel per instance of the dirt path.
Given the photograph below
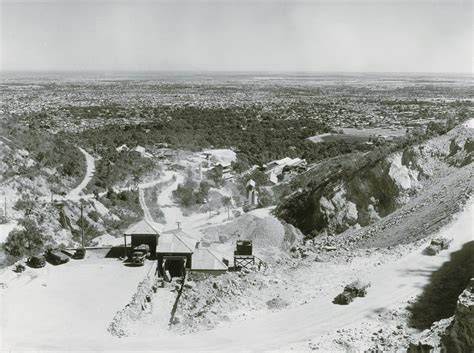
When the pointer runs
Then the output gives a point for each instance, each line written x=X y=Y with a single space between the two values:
x=172 y=213
x=141 y=194
x=146 y=211
x=392 y=284
x=90 y=169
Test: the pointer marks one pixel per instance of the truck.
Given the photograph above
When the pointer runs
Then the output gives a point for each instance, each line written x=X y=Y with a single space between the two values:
x=351 y=291
x=36 y=261
x=139 y=254
x=56 y=257
x=436 y=246
x=79 y=254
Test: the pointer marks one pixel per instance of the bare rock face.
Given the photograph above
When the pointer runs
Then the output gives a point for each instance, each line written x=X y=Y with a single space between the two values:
x=455 y=334
x=429 y=340
x=459 y=336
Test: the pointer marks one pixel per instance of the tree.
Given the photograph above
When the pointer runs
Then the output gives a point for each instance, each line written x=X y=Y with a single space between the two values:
x=215 y=174
x=184 y=193
x=265 y=199
x=26 y=203
x=204 y=188
x=227 y=202
x=25 y=241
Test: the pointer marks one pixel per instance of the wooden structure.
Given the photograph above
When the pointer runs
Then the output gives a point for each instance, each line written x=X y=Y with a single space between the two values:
x=174 y=253
x=243 y=257
x=142 y=232
x=206 y=261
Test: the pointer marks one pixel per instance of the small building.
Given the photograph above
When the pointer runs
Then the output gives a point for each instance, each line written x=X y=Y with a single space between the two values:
x=142 y=232
x=174 y=252
x=276 y=167
x=177 y=251
x=204 y=260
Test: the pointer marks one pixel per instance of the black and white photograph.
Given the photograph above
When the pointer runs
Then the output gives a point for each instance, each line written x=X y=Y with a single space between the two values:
x=237 y=176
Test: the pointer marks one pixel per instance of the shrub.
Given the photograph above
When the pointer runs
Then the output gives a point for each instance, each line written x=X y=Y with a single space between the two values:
x=25 y=241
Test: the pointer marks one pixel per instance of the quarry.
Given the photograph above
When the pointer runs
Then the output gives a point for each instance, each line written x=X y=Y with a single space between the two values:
x=123 y=235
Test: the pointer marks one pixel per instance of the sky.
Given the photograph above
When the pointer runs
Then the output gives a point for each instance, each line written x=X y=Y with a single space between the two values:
x=237 y=35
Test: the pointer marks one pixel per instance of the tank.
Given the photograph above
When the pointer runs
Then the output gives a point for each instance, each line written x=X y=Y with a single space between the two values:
x=244 y=247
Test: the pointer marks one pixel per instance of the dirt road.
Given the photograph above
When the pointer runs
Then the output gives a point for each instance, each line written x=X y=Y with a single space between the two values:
x=90 y=169
x=392 y=284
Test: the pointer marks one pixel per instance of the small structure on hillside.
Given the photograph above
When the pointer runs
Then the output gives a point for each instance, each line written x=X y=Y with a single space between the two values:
x=252 y=193
x=276 y=169
x=174 y=253
x=243 y=257
x=142 y=232
x=178 y=252
x=204 y=260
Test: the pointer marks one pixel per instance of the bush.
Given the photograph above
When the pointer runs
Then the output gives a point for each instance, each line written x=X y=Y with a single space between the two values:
x=94 y=215
x=189 y=194
x=26 y=241
x=26 y=204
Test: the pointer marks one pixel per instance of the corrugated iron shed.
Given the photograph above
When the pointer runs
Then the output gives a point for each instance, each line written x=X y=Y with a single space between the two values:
x=142 y=227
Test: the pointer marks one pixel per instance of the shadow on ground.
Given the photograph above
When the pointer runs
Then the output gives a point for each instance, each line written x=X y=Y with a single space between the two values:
x=117 y=251
x=439 y=297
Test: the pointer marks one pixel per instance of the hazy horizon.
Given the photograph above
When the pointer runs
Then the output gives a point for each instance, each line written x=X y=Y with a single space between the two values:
x=392 y=36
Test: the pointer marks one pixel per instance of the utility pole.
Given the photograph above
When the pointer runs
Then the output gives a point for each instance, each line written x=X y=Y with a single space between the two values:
x=5 y=205
x=82 y=225
x=179 y=224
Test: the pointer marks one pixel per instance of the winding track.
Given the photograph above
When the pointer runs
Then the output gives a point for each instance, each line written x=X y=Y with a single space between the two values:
x=75 y=193
x=392 y=284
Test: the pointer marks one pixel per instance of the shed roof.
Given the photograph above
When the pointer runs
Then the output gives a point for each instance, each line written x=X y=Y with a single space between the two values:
x=204 y=259
x=175 y=241
x=142 y=227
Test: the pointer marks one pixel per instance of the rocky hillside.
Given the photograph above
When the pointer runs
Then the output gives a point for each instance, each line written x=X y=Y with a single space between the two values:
x=455 y=334
x=378 y=189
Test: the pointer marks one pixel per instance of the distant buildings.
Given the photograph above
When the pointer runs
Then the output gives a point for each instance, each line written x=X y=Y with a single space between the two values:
x=275 y=169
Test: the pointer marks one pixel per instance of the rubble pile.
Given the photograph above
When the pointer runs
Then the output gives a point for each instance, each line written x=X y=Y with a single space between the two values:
x=208 y=300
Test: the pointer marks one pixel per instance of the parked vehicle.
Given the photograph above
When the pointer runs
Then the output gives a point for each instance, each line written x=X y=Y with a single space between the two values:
x=79 y=254
x=36 y=261
x=19 y=268
x=352 y=290
x=343 y=298
x=56 y=257
x=139 y=254
x=437 y=245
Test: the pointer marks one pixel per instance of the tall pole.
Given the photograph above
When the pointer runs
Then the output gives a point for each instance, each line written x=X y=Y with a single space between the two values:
x=179 y=224
x=82 y=226
x=5 y=206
